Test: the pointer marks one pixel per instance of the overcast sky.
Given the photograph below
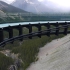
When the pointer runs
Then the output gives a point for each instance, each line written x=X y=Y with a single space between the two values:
x=55 y=4
x=62 y=3
x=59 y=2
x=8 y=1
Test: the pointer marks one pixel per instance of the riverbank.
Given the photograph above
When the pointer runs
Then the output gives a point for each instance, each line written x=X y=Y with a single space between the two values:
x=54 y=55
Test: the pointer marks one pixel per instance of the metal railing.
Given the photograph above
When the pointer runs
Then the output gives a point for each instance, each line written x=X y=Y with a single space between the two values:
x=49 y=31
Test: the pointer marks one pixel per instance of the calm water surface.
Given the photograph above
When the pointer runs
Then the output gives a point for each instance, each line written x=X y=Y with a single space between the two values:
x=23 y=23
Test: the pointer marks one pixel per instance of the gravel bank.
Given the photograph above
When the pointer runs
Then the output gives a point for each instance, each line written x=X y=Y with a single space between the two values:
x=54 y=56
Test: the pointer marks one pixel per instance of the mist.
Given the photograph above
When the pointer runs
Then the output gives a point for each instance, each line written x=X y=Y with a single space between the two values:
x=55 y=6
x=8 y=1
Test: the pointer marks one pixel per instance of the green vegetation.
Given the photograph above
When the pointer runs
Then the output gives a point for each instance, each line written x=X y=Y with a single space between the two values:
x=29 y=48
x=10 y=20
x=5 y=62
x=24 y=18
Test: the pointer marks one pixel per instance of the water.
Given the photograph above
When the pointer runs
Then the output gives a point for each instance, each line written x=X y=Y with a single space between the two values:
x=23 y=23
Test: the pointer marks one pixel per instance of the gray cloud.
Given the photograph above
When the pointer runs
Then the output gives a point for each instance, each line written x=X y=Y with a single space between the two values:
x=60 y=6
x=45 y=6
x=8 y=1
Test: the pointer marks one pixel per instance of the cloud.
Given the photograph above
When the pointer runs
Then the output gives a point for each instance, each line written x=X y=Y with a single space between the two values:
x=57 y=5
x=8 y=1
x=54 y=5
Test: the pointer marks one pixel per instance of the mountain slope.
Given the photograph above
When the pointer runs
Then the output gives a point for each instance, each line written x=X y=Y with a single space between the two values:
x=2 y=14
x=31 y=6
x=9 y=8
x=37 y=6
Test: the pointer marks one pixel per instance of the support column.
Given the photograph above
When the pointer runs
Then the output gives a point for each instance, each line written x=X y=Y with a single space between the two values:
x=65 y=29
x=39 y=29
x=57 y=29
x=20 y=31
x=48 y=27
x=30 y=31
x=1 y=35
x=10 y=32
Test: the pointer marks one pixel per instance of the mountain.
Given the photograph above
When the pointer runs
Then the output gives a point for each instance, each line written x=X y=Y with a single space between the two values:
x=9 y=8
x=2 y=14
x=40 y=6
x=9 y=13
x=31 y=6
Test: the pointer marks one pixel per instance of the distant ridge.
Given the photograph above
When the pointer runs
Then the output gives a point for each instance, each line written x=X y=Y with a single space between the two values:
x=7 y=8
x=33 y=6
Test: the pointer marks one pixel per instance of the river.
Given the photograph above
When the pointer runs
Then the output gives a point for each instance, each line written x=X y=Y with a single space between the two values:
x=23 y=23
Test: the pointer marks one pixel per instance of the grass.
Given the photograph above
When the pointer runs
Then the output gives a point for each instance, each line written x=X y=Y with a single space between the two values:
x=29 y=49
x=5 y=62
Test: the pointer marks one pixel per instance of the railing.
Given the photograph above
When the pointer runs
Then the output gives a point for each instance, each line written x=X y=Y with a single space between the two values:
x=49 y=31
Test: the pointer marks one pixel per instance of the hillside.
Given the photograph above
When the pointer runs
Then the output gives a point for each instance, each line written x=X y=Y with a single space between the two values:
x=7 y=8
x=9 y=13
x=2 y=14
x=31 y=6
x=42 y=6
x=54 y=56
x=27 y=49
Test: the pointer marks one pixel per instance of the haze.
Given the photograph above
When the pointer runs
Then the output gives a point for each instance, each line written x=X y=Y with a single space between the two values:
x=8 y=1
x=57 y=5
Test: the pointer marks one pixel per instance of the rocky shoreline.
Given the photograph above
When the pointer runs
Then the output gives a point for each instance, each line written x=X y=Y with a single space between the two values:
x=17 y=61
